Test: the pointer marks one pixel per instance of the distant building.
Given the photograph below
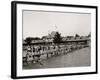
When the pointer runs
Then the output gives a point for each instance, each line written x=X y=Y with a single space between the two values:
x=49 y=37
x=68 y=39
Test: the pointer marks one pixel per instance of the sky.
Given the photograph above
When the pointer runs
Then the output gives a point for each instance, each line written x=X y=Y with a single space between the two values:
x=41 y=23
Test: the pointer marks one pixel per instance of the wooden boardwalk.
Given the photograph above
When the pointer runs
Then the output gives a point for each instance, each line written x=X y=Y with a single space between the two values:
x=72 y=59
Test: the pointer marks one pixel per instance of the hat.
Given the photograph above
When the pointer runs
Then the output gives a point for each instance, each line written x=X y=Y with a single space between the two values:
x=28 y=50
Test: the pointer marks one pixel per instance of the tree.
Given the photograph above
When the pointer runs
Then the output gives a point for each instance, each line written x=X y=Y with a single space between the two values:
x=57 y=38
x=77 y=35
x=35 y=38
x=28 y=40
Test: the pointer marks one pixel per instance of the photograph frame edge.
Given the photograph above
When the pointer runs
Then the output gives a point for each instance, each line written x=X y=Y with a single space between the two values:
x=14 y=38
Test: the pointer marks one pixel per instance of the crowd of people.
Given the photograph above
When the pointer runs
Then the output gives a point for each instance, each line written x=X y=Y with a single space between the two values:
x=33 y=53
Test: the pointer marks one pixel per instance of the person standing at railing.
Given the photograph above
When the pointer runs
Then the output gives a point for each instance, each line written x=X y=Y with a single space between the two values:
x=29 y=56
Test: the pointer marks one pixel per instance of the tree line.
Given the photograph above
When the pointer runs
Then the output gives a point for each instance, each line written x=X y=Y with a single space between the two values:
x=56 y=39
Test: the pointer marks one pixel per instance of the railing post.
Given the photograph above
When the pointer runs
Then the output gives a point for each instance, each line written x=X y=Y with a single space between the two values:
x=47 y=55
